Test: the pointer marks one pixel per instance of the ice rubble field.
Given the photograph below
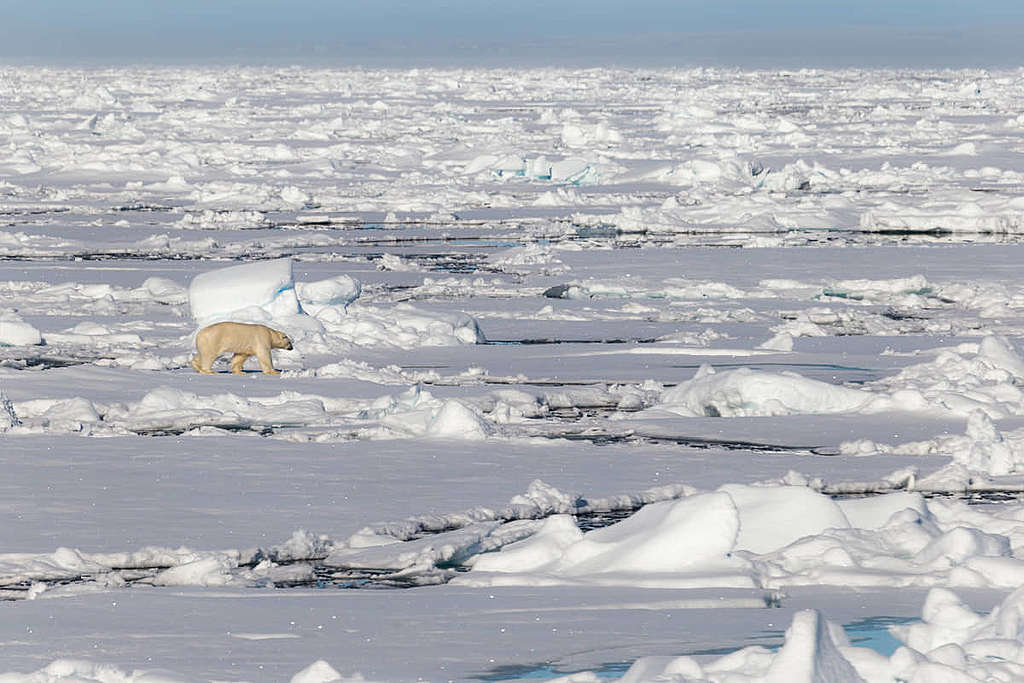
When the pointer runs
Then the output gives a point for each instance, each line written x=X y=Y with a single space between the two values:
x=649 y=375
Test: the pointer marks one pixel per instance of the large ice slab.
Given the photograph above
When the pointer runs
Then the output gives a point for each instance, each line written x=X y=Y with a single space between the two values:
x=249 y=292
x=16 y=332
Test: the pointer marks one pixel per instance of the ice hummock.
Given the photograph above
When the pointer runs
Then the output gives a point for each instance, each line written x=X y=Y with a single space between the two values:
x=767 y=537
x=16 y=332
x=951 y=643
x=251 y=292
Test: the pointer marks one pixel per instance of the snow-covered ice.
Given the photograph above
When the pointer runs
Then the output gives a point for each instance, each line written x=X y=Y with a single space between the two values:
x=230 y=293
x=688 y=374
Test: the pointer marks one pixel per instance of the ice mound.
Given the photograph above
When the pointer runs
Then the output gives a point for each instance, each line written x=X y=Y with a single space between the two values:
x=813 y=653
x=967 y=378
x=318 y=672
x=402 y=326
x=169 y=409
x=90 y=333
x=56 y=415
x=99 y=297
x=16 y=332
x=179 y=566
x=59 y=564
x=673 y=536
x=223 y=220
x=774 y=517
x=455 y=419
x=412 y=414
x=690 y=539
x=340 y=290
x=572 y=170
x=681 y=536
x=213 y=570
x=555 y=536
x=753 y=214
x=674 y=288
x=164 y=290
x=417 y=413
x=950 y=643
x=768 y=537
x=960 y=381
x=250 y=292
x=983 y=451
x=745 y=392
x=528 y=258
x=966 y=213
x=83 y=671
x=543 y=499
x=575 y=134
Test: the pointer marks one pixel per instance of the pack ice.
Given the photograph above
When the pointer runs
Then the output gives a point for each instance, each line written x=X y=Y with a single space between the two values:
x=666 y=374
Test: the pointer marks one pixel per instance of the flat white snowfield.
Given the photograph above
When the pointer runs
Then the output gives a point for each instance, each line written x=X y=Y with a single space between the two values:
x=650 y=375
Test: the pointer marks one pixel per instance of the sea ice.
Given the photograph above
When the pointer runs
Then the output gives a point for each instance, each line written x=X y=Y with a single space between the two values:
x=612 y=231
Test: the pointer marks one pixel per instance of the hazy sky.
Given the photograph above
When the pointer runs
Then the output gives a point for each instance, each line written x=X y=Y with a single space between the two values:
x=527 y=32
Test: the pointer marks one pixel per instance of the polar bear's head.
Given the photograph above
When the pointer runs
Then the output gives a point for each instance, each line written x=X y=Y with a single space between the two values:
x=280 y=340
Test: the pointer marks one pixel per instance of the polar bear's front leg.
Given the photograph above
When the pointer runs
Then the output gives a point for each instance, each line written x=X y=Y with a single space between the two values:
x=237 y=361
x=266 y=364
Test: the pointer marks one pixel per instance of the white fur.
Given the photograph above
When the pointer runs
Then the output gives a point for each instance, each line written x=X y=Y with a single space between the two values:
x=242 y=340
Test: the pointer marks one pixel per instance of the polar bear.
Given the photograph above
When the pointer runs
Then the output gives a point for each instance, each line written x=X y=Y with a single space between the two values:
x=241 y=339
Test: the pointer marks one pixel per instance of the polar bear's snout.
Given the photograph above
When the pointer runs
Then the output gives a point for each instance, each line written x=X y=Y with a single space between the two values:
x=281 y=340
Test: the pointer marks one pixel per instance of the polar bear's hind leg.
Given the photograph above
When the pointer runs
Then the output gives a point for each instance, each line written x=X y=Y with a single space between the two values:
x=199 y=366
x=237 y=361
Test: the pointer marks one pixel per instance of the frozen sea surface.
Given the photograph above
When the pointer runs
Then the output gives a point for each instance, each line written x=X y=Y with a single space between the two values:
x=596 y=373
